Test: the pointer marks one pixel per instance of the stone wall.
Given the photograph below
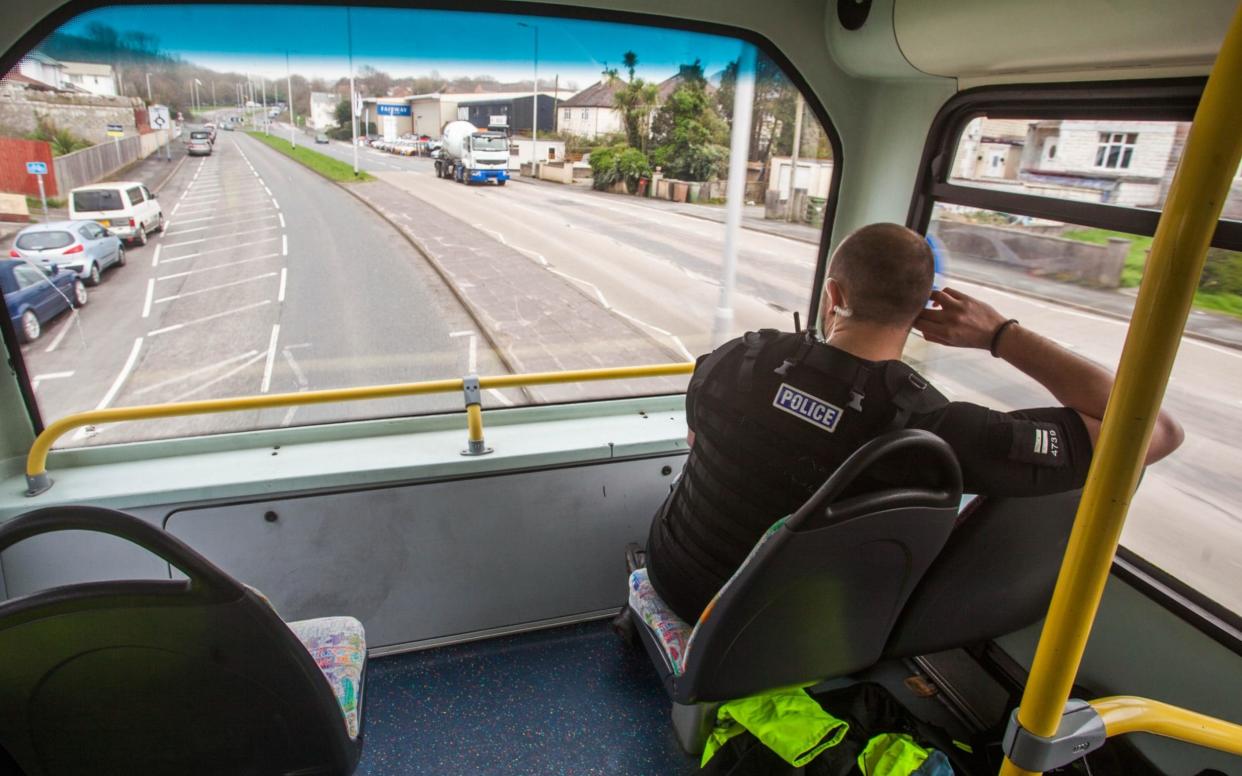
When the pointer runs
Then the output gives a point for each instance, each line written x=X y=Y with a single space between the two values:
x=86 y=116
x=1039 y=254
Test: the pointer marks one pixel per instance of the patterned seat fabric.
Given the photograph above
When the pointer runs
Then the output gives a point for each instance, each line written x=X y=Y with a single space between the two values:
x=339 y=647
x=671 y=632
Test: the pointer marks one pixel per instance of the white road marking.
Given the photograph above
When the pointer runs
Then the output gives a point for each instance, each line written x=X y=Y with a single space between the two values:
x=64 y=330
x=34 y=384
x=209 y=289
x=217 y=250
x=202 y=201
x=191 y=229
x=464 y=333
x=195 y=373
x=274 y=202
x=85 y=431
x=280 y=296
x=303 y=383
x=271 y=359
x=284 y=245
x=269 y=191
x=282 y=220
x=500 y=397
x=155 y=257
x=206 y=318
x=146 y=306
x=217 y=266
x=599 y=294
x=222 y=217
x=187 y=394
x=232 y=234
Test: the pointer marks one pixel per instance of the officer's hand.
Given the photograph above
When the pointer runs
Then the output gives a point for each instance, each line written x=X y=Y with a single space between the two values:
x=960 y=321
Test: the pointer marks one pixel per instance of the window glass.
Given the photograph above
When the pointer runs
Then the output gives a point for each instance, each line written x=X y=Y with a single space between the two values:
x=28 y=276
x=1077 y=285
x=1126 y=163
x=268 y=277
x=97 y=200
x=41 y=241
x=135 y=196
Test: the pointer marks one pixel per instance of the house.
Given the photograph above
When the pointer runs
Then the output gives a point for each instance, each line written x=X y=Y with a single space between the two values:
x=591 y=112
x=991 y=148
x=91 y=77
x=43 y=69
x=322 y=110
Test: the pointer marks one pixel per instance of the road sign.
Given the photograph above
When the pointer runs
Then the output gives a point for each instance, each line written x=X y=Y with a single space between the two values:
x=158 y=116
x=388 y=109
x=116 y=130
x=36 y=168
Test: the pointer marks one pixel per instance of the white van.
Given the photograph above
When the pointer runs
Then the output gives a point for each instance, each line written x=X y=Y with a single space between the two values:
x=127 y=208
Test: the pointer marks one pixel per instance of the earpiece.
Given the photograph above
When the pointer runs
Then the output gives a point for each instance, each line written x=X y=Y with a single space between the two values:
x=844 y=312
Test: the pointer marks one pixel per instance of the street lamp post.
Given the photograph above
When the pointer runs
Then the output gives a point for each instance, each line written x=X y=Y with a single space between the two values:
x=534 y=102
x=149 y=100
x=353 y=97
x=293 y=138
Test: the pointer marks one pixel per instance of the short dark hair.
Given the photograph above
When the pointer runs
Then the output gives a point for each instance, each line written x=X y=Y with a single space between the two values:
x=886 y=271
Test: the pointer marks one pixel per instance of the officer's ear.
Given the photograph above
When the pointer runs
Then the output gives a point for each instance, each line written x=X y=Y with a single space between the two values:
x=834 y=298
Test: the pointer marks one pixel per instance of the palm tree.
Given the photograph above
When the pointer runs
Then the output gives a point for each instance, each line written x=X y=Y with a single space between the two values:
x=635 y=99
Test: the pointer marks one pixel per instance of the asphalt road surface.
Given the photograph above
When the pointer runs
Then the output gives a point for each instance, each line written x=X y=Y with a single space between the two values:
x=267 y=278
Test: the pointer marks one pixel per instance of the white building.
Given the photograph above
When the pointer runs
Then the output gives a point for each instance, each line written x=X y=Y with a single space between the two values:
x=322 y=110
x=42 y=68
x=591 y=112
x=91 y=77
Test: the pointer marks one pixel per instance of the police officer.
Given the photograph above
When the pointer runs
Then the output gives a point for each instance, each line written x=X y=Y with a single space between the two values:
x=772 y=414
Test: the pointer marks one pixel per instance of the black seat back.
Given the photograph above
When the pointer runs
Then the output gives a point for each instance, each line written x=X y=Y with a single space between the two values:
x=158 y=676
x=995 y=574
x=819 y=595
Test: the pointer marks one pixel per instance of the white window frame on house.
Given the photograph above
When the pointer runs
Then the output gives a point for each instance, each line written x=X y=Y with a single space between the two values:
x=586 y=113
x=1116 y=150
x=569 y=114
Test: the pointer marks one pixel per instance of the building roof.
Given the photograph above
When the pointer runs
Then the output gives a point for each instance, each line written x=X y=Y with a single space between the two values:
x=598 y=95
x=669 y=85
x=42 y=59
x=87 y=68
x=16 y=77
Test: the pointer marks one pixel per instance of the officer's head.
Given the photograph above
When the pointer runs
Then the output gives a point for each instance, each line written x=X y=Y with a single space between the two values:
x=880 y=274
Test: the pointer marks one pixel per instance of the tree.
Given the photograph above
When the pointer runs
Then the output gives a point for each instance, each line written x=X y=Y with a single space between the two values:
x=635 y=100
x=772 y=122
x=688 y=134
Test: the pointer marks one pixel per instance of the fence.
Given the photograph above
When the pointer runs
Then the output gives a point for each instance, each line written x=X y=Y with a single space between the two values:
x=97 y=162
x=14 y=153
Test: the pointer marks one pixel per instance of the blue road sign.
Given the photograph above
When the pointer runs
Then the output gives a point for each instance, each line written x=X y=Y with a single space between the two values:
x=36 y=168
x=383 y=109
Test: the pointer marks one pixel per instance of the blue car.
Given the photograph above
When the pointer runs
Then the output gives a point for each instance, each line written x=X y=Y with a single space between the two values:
x=82 y=246
x=34 y=296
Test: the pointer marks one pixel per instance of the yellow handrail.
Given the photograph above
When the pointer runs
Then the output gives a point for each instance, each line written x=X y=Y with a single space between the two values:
x=1128 y=714
x=1198 y=193
x=36 y=461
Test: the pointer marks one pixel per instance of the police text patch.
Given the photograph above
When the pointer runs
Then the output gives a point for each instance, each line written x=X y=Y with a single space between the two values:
x=804 y=406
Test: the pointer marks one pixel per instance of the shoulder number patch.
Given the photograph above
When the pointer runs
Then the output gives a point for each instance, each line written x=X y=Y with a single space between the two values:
x=1036 y=442
x=804 y=406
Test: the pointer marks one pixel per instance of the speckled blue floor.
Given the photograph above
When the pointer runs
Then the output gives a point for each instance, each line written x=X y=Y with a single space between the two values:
x=568 y=701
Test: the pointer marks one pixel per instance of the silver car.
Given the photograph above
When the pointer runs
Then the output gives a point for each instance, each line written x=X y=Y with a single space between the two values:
x=84 y=247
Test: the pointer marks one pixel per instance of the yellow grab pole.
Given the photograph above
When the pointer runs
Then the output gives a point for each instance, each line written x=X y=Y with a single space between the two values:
x=1127 y=714
x=38 y=481
x=1194 y=204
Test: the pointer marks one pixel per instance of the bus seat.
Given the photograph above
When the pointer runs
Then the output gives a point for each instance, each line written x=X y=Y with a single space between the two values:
x=184 y=676
x=994 y=576
x=817 y=596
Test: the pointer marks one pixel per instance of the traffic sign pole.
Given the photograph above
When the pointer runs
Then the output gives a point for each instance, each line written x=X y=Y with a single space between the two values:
x=43 y=196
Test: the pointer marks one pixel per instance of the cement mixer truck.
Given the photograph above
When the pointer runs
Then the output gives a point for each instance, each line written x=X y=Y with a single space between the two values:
x=469 y=155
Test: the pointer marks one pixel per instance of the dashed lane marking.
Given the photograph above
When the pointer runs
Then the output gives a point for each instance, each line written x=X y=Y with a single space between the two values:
x=146 y=306
x=284 y=245
x=206 y=318
x=280 y=296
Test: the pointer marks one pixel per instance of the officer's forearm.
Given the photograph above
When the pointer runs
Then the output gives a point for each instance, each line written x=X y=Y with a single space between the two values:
x=1076 y=383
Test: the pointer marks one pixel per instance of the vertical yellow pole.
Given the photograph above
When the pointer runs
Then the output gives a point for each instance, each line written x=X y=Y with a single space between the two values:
x=1196 y=197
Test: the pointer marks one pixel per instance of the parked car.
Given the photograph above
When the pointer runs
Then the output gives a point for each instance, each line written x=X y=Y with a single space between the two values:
x=84 y=247
x=33 y=296
x=321 y=137
x=199 y=143
x=128 y=209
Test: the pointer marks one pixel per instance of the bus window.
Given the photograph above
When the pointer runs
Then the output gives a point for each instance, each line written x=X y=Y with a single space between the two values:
x=1077 y=285
x=370 y=212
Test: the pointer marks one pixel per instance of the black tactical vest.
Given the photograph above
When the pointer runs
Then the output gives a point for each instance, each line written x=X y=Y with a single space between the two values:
x=774 y=414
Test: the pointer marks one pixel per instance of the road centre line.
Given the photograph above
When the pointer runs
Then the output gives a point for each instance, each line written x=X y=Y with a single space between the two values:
x=280 y=296
x=206 y=318
x=194 y=373
x=284 y=245
x=218 y=266
x=146 y=306
x=187 y=394
x=282 y=220
x=232 y=234
x=271 y=359
x=209 y=289
x=217 y=250
x=274 y=202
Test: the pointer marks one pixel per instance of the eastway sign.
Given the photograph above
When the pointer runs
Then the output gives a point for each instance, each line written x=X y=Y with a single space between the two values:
x=392 y=110
x=36 y=168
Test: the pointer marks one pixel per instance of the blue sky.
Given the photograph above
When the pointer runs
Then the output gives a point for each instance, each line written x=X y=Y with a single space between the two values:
x=407 y=42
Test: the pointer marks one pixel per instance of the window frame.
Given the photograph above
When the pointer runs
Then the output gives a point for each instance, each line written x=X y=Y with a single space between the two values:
x=1149 y=100
x=1106 y=145
x=48 y=24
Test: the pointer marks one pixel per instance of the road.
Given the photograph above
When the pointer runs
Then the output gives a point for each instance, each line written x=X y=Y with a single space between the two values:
x=267 y=278
x=232 y=311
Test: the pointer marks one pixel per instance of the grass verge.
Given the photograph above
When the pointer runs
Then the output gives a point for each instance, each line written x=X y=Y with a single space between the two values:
x=1136 y=258
x=330 y=168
